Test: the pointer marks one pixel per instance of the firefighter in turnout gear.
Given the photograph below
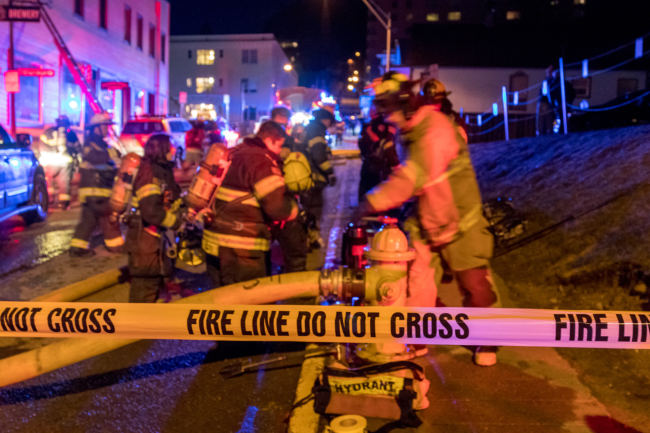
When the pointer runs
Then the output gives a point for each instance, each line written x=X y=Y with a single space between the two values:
x=252 y=196
x=448 y=228
x=97 y=170
x=377 y=146
x=157 y=208
x=291 y=235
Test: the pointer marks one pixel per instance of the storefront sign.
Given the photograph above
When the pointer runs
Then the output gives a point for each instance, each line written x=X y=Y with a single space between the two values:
x=35 y=72
x=20 y=13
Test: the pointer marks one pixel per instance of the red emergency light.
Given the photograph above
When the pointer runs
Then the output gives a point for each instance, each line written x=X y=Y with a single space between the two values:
x=35 y=72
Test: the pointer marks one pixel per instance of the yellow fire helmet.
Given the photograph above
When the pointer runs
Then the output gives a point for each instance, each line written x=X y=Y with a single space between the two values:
x=297 y=172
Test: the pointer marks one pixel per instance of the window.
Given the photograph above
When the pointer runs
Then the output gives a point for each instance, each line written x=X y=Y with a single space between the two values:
x=513 y=15
x=249 y=56
x=163 y=47
x=188 y=81
x=205 y=57
x=433 y=17
x=453 y=16
x=152 y=40
x=220 y=82
x=518 y=83
x=221 y=54
x=189 y=54
x=102 y=14
x=579 y=2
x=137 y=127
x=204 y=84
x=140 y=30
x=248 y=86
x=127 y=24
x=79 y=7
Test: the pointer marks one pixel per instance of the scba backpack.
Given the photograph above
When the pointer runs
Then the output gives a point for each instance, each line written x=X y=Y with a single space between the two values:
x=393 y=390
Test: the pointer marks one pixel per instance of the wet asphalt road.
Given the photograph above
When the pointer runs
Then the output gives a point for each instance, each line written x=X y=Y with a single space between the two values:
x=156 y=386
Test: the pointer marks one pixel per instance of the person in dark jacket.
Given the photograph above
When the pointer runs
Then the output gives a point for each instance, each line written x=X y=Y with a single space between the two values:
x=157 y=207
x=378 y=154
x=252 y=196
x=97 y=170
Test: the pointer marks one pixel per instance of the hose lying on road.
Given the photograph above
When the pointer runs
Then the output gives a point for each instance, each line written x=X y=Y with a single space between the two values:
x=62 y=353
x=80 y=289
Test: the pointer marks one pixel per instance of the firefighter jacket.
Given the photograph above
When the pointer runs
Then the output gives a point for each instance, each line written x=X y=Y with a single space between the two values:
x=97 y=169
x=439 y=172
x=318 y=152
x=253 y=194
x=156 y=195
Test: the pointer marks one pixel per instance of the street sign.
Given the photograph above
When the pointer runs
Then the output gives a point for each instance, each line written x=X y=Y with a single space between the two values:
x=12 y=81
x=35 y=72
x=20 y=13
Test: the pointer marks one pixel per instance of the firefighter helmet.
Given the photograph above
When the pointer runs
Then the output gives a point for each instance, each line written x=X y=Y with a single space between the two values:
x=434 y=91
x=297 y=172
x=390 y=245
x=103 y=118
x=323 y=114
x=393 y=91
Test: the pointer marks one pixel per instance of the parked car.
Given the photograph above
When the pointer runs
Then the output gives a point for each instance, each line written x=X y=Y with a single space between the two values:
x=137 y=131
x=23 y=189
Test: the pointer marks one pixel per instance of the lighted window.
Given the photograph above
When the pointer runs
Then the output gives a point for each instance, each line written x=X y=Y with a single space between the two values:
x=127 y=24
x=152 y=40
x=102 y=14
x=453 y=16
x=188 y=81
x=205 y=57
x=579 y=2
x=204 y=84
x=513 y=15
x=555 y=2
x=433 y=17
x=140 y=26
x=79 y=7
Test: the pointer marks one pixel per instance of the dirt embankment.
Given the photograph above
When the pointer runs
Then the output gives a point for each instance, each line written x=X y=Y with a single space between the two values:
x=586 y=197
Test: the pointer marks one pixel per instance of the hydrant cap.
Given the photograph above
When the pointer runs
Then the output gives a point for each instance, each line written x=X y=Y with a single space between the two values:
x=390 y=245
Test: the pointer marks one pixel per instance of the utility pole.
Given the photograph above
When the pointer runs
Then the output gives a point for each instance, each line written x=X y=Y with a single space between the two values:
x=386 y=21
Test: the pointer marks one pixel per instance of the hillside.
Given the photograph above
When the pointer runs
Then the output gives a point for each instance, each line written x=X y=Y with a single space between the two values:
x=586 y=197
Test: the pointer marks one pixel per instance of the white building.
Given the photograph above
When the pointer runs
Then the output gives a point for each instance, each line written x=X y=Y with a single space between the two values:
x=231 y=76
x=121 y=45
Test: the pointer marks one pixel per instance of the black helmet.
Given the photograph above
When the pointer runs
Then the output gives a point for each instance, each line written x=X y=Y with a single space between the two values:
x=62 y=121
x=393 y=91
x=322 y=114
x=434 y=91
x=157 y=147
x=280 y=110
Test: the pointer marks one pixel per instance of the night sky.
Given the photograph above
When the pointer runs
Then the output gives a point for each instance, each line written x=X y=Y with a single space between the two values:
x=328 y=31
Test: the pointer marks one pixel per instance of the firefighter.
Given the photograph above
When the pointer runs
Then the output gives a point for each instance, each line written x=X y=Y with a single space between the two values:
x=158 y=208
x=448 y=226
x=291 y=235
x=59 y=153
x=253 y=194
x=378 y=154
x=97 y=170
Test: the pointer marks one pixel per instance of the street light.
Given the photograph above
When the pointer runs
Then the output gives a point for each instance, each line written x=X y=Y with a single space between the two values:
x=385 y=20
x=287 y=67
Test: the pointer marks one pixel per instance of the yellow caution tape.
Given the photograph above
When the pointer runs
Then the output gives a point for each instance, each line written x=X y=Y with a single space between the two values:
x=329 y=324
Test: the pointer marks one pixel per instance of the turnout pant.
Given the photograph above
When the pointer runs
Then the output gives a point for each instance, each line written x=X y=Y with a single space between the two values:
x=292 y=238
x=238 y=265
x=148 y=265
x=468 y=260
x=95 y=212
